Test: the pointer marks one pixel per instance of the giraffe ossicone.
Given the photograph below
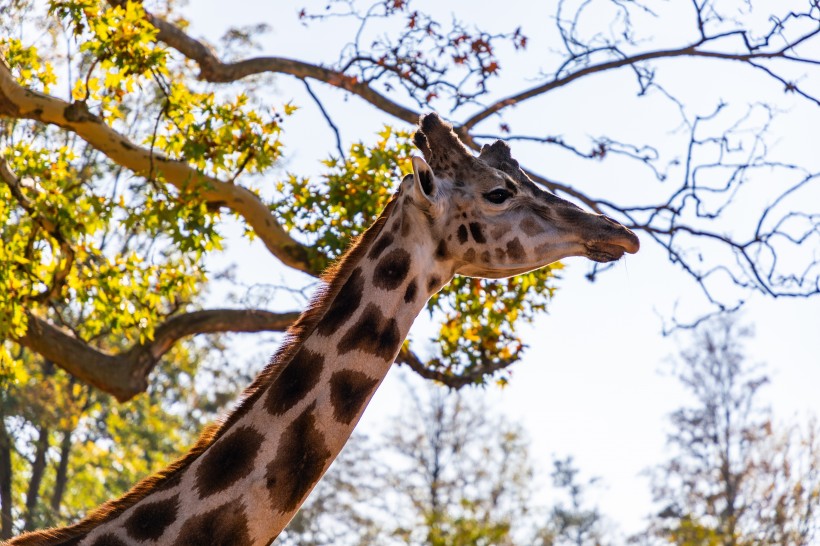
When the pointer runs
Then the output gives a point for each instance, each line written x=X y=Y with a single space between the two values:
x=246 y=477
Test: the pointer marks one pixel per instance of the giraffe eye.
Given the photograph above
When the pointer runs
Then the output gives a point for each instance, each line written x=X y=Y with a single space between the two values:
x=497 y=196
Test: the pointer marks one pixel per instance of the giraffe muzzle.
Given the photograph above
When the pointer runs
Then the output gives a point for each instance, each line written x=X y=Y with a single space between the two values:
x=615 y=246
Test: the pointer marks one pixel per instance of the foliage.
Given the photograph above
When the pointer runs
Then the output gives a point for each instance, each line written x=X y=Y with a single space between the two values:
x=572 y=521
x=348 y=198
x=736 y=477
x=464 y=475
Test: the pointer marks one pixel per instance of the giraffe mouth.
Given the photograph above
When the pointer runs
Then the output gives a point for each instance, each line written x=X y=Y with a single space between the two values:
x=599 y=251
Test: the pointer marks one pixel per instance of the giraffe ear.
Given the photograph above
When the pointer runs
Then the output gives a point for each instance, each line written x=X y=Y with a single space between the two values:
x=425 y=186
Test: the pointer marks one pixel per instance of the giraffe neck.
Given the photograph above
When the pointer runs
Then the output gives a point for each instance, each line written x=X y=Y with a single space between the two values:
x=246 y=486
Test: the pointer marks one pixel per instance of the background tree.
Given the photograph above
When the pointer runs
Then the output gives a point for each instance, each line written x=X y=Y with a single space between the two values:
x=572 y=521
x=463 y=476
x=736 y=477
x=128 y=146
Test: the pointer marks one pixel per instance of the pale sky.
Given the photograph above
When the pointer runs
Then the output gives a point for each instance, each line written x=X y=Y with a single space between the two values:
x=589 y=385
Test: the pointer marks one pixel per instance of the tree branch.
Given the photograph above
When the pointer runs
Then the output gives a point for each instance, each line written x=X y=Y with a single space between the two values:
x=475 y=375
x=21 y=103
x=212 y=69
x=125 y=375
x=688 y=51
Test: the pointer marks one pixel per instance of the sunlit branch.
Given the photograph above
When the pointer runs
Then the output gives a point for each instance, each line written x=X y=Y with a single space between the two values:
x=21 y=103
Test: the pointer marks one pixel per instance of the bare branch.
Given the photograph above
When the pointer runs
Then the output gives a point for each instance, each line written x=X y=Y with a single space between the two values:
x=328 y=119
x=580 y=53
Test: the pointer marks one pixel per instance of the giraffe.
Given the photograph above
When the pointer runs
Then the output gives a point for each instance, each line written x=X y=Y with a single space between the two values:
x=246 y=477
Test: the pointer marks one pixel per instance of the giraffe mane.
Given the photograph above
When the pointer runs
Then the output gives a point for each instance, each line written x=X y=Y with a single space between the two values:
x=333 y=278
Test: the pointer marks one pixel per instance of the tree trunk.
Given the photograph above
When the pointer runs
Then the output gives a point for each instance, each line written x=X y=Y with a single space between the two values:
x=38 y=468
x=5 y=481
x=62 y=473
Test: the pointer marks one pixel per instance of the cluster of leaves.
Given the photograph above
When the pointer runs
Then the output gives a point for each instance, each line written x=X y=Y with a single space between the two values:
x=119 y=36
x=478 y=331
x=219 y=137
x=99 y=252
x=26 y=65
x=348 y=198
x=62 y=237
x=119 y=51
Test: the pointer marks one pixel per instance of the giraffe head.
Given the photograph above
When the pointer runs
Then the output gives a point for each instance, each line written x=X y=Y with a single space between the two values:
x=492 y=220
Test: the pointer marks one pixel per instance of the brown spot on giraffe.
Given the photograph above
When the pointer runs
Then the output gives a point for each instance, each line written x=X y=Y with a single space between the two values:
x=349 y=390
x=516 y=251
x=478 y=234
x=462 y=234
x=530 y=226
x=392 y=269
x=410 y=291
x=149 y=521
x=381 y=243
x=433 y=282
x=485 y=257
x=469 y=256
x=344 y=304
x=228 y=461
x=299 y=462
x=441 y=251
x=500 y=254
x=225 y=525
x=373 y=333
x=297 y=379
